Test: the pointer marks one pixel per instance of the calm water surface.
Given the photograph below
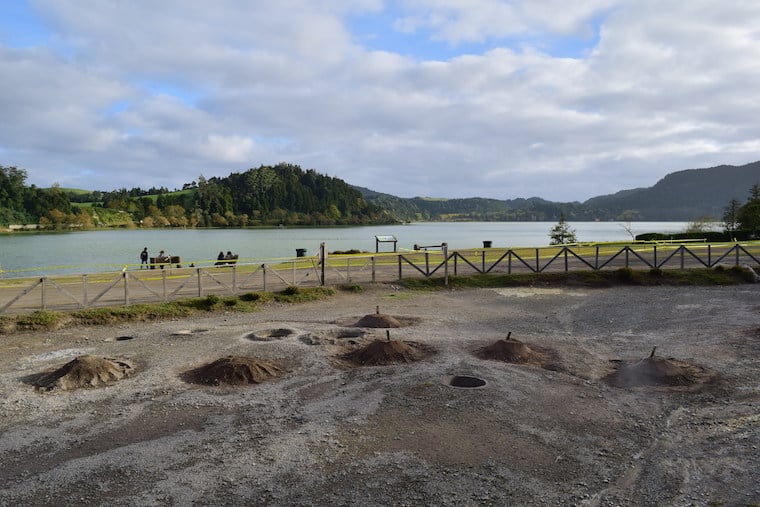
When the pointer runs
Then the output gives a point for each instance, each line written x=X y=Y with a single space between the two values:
x=92 y=251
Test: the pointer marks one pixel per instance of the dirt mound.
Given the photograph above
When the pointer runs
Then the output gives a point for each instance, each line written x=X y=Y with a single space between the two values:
x=655 y=371
x=378 y=320
x=83 y=371
x=380 y=352
x=511 y=351
x=233 y=370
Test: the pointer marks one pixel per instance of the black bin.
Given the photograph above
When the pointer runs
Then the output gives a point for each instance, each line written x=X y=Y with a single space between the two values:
x=487 y=244
x=300 y=252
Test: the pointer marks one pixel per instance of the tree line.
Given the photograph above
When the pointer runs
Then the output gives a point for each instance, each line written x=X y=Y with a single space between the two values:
x=283 y=194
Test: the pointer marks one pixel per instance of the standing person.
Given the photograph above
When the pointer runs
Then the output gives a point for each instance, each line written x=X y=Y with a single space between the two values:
x=144 y=258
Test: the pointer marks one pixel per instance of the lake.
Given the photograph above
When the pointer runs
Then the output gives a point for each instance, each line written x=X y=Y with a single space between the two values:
x=36 y=254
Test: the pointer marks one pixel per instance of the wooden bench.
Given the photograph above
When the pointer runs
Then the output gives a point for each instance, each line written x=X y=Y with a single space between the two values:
x=224 y=262
x=172 y=259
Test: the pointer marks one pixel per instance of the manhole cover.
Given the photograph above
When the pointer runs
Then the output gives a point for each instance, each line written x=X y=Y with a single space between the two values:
x=466 y=381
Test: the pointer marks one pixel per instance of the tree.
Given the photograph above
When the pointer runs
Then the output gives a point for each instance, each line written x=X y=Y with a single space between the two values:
x=748 y=215
x=700 y=225
x=562 y=233
x=731 y=216
x=627 y=227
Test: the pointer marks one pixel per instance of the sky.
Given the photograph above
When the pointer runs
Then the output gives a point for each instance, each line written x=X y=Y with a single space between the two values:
x=437 y=98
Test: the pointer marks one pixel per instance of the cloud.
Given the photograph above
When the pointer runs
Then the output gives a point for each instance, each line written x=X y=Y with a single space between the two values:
x=529 y=98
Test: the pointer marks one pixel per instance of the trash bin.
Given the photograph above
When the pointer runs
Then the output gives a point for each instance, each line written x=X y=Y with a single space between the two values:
x=300 y=252
x=487 y=244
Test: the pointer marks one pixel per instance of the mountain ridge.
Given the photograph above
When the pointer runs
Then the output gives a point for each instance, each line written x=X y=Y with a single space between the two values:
x=684 y=195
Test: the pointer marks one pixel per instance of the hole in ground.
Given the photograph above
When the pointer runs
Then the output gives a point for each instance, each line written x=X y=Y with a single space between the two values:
x=466 y=381
x=269 y=334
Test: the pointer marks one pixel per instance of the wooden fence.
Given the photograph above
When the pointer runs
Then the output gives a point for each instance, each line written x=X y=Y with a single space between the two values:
x=138 y=286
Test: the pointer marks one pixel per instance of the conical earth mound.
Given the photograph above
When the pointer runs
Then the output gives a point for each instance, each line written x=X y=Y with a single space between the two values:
x=378 y=320
x=233 y=370
x=380 y=352
x=83 y=371
x=511 y=351
x=654 y=371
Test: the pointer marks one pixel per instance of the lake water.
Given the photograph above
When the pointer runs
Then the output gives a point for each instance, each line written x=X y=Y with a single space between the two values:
x=35 y=254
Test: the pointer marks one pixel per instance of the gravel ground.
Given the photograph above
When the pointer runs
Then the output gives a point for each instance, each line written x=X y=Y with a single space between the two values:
x=327 y=433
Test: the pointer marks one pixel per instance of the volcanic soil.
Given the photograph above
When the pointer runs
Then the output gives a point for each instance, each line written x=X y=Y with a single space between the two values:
x=270 y=409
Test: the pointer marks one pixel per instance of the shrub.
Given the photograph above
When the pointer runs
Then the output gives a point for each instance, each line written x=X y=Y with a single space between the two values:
x=41 y=319
x=291 y=290
x=625 y=275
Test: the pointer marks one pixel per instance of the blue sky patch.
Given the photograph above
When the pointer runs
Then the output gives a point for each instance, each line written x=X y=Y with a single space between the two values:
x=20 y=26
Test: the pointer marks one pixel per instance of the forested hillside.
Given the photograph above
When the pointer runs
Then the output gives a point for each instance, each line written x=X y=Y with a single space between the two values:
x=684 y=195
x=286 y=194
x=283 y=194
x=22 y=204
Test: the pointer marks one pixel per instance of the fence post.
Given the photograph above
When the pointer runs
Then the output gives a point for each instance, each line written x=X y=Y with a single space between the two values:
x=596 y=259
x=455 y=263
x=373 y=259
x=483 y=261
x=264 y=273
x=427 y=264
x=399 y=266
x=294 y=272
x=565 y=252
x=682 y=256
x=348 y=269
x=736 y=247
x=538 y=265
x=125 y=276
x=709 y=255
x=445 y=249
x=627 y=252
x=234 y=278
x=163 y=282
x=42 y=302
x=509 y=262
x=200 y=282
x=84 y=290
x=655 y=257
x=322 y=254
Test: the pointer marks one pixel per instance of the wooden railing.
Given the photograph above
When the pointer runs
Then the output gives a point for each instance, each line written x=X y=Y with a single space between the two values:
x=137 y=286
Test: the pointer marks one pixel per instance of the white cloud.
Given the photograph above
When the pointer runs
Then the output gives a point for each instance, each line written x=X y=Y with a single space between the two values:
x=155 y=93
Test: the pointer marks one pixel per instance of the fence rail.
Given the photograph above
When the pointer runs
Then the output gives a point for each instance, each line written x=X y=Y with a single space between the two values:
x=138 y=286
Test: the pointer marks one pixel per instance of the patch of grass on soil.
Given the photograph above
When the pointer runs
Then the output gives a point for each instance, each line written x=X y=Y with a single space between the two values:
x=45 y=320
x=609 y=278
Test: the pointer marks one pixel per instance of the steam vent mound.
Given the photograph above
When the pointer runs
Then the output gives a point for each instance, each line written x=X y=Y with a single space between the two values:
x=383 y=352
x=83 y=371
x=234 y=371
x=511 y=351
x=378 y=320
x=657 y=371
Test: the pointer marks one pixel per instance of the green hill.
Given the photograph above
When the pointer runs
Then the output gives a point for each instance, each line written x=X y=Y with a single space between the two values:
x=684 y=195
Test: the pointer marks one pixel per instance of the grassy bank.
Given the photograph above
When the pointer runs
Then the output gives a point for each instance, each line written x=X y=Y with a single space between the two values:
x=45 y=320
x=624 y=276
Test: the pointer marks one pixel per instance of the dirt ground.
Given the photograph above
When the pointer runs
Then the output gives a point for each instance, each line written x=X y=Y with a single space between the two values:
x=321 y=431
